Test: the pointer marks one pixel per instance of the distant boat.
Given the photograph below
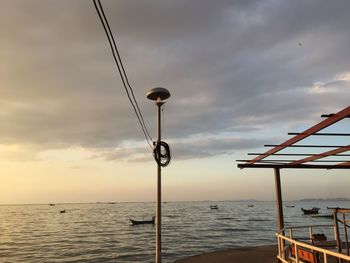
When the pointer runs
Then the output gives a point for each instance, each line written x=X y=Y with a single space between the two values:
x=62 y=211
x=290 y=206
x=213 y=207
x=323 y=216
x=51 y=204
x=333 y=207
x=142 y=222
x=111 y=203
x=250 y=205
x=311 y=211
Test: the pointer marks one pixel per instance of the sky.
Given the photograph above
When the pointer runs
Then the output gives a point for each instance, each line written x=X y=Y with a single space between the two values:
x=241 y=74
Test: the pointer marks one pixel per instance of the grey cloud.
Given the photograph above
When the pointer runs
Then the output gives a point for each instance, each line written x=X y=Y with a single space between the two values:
x=195 y=148
x=231 y=66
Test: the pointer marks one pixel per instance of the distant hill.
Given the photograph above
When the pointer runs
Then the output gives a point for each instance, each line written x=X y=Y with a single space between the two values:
x=325 y=199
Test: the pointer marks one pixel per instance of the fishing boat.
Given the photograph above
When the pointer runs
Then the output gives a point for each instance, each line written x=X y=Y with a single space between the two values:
x=330 y=216
x=213 y=207
x=142 y=222
x=311 y=211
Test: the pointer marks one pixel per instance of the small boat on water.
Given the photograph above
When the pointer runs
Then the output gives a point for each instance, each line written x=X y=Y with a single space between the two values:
x=323 y=216
x=312 y=211
x=250 y=205
x=51 y=204
x=214 y=207
x=290 y=206
x=142 y=222
x=62 y=211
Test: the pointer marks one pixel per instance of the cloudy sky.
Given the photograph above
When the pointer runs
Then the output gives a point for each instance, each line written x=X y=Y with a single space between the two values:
x=241 y=74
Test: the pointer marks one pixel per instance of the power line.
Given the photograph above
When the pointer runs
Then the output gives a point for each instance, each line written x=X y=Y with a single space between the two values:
x=121 y=70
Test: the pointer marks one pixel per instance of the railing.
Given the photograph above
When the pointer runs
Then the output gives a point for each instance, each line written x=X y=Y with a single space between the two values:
x=284 y=243
x=343 y=221
x=310 y=230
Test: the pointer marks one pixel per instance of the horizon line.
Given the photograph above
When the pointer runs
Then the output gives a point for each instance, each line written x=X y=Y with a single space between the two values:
x=182 y=201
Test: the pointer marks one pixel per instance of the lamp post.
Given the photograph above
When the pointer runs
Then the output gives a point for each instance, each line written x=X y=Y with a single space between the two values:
x=159 y=95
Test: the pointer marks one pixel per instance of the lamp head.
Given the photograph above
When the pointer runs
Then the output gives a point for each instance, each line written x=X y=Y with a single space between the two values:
x=158 y=94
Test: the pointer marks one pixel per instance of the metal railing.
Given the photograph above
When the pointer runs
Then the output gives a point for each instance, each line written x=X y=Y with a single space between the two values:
x=344 y=222
x=290 y=243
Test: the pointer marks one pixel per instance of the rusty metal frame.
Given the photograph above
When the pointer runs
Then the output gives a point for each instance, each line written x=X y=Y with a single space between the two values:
x=259 y=162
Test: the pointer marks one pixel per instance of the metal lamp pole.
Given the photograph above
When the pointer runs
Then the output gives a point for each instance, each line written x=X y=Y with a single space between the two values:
x=159 y=94
x=159 y=193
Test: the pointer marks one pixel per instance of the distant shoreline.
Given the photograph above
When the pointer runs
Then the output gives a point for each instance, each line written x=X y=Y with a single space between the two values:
x=340 y=199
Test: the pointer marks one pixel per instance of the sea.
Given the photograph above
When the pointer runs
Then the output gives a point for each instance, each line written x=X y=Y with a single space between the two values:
x=102 y=232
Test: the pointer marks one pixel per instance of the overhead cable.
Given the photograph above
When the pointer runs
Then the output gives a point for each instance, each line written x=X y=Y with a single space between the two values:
x=121 y=70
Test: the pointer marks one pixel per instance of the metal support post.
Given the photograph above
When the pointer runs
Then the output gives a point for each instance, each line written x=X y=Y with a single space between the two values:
x=280 y=218
x=279 y=199
x=159 y=95
x=159 y=194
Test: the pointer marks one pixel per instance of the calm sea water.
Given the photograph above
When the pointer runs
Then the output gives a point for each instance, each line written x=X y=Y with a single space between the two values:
x=102 y=232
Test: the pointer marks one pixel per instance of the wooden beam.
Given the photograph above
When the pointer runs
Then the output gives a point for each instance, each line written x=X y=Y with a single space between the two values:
x=323 y=124
x=280 y=218
x=344 y=164
x=330 y=115
x=296 y=154
x=299 y=166
x=322 y=155
x=305 y=146
x=285 y=161
x=336 y=225
x=321 y=134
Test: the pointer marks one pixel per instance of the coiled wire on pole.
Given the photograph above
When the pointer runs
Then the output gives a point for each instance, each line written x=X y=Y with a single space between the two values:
x=161 y=153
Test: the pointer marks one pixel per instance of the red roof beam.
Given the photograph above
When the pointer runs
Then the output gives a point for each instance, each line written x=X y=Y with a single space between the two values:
x=323 y=124
x=322 y=155
x=344 y=164
x=299 y=166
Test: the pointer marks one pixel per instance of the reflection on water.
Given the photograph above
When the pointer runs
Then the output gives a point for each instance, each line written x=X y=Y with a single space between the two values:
x=102 y=232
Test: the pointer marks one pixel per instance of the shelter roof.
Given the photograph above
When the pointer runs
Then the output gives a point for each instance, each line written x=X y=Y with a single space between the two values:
x=329 y=159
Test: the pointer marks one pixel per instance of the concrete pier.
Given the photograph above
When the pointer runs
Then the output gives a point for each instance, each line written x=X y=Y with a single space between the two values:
x=260 y=254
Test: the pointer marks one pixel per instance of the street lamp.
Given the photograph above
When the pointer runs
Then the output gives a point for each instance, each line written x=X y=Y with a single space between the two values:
x=159 y=95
